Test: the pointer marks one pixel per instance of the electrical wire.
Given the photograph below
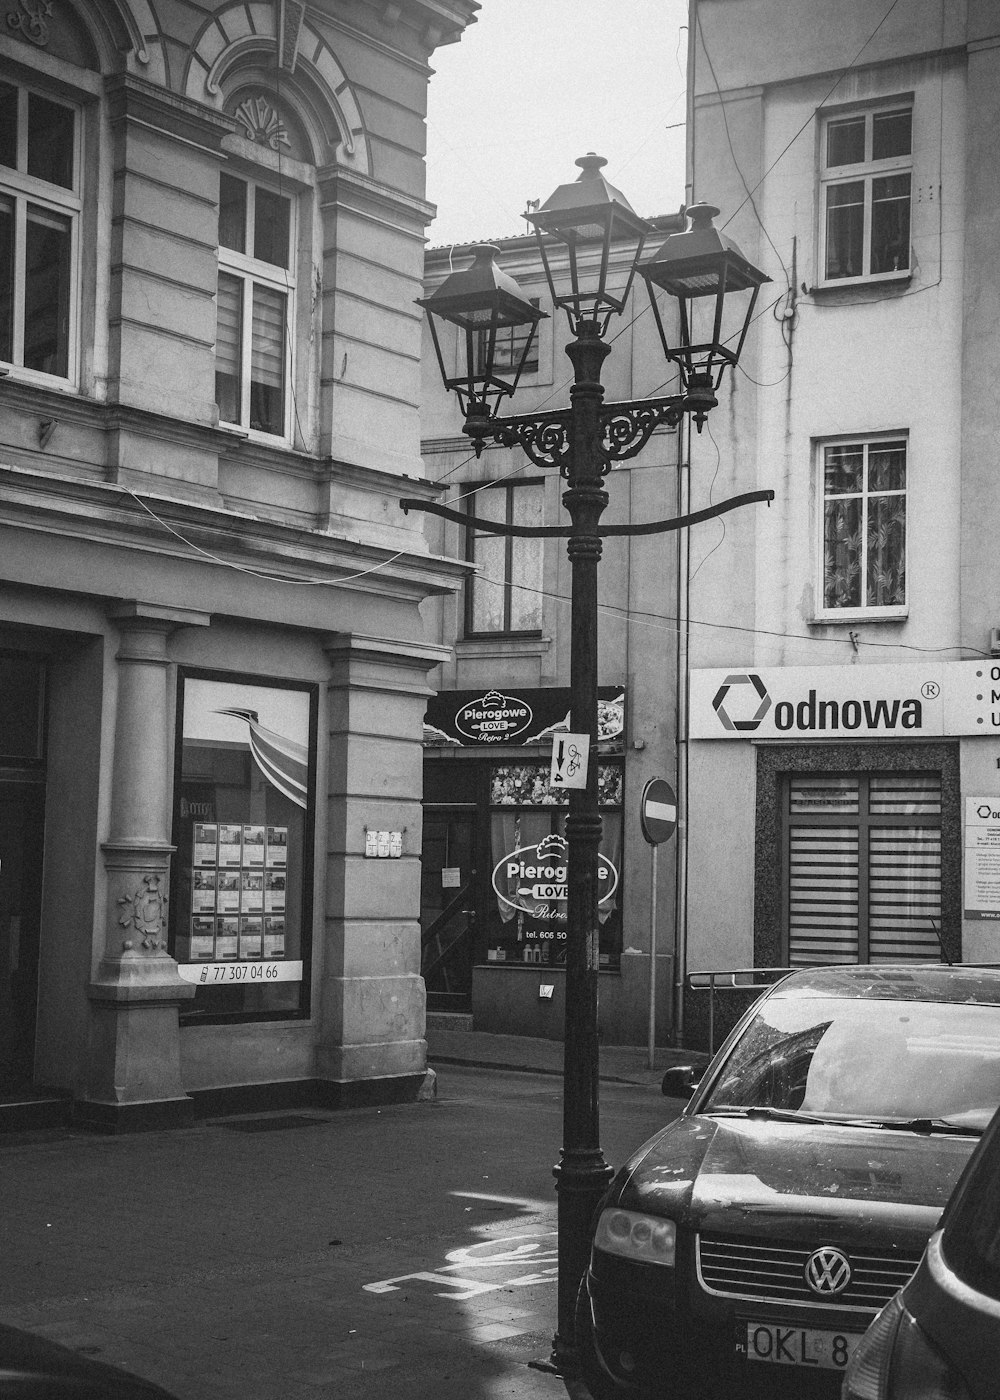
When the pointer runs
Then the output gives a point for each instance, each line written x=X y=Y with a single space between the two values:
x=840 y=78
x=665 y=623
x=266 y=575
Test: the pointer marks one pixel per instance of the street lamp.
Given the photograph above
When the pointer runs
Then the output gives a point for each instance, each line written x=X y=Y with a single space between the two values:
x=589 y=217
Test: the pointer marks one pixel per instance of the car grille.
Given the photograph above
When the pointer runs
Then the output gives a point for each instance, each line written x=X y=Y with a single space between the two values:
x=742 y=1268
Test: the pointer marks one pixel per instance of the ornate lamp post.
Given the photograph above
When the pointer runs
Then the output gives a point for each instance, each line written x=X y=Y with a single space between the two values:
x=583 y=442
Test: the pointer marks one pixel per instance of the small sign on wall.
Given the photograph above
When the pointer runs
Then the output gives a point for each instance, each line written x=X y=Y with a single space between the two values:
x=982 y=857
x=570 y=759
x=451 y=877
x=383 y=845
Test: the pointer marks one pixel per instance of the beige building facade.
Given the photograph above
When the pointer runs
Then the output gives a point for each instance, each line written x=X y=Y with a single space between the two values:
x=213 y=665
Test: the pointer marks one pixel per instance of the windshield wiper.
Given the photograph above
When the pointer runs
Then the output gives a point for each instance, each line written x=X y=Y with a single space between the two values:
x=925 y=1125
x=768 y=1113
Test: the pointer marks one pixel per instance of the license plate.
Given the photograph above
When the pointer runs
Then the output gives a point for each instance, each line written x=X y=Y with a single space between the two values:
x=798 y=1346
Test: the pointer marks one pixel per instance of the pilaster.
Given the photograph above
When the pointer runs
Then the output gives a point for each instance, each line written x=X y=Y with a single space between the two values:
x=372 y=998
x=132 y=1077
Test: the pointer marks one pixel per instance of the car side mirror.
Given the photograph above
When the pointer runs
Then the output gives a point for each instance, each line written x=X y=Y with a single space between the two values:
x=680 y=1081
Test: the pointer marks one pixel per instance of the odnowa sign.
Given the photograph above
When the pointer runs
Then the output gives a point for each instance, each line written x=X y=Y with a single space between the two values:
x=844 y=702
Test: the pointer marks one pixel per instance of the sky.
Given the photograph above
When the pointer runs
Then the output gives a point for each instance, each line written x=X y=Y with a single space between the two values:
x=534 y=84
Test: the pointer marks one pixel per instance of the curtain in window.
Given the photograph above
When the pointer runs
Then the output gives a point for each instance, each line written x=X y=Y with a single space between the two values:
x=526 y=561
x=48 y=240
x=228 y=347
x=267 y=360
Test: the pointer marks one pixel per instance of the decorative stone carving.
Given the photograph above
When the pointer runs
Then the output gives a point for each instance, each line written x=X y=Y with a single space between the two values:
x=32 y=21
x=261 y=123
x=144 y=911
x=292 y=14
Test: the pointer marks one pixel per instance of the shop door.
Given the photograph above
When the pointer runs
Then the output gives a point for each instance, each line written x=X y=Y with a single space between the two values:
x=447 y=906
x=21 y=827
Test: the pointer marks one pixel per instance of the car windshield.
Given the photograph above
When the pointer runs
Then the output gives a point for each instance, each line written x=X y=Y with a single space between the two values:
x=922 y=1064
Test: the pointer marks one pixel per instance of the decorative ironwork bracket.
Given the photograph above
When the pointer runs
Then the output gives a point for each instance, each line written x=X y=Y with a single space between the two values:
x=649 y=527
x=546 y=437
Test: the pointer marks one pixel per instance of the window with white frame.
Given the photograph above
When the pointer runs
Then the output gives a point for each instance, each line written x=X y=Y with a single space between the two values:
x=255 y=334
x=505 y=595
x=865 y=194
x=39 y=218
x=864 y=524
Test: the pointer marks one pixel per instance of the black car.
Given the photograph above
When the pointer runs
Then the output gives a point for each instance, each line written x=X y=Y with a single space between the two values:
x=34 y=1368
x=940 y=1336
x=751 y=1242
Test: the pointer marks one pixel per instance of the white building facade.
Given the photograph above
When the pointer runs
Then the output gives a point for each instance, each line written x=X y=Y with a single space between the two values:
x=843 y=763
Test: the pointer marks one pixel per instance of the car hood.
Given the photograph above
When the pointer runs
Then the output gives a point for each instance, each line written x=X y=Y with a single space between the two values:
x=745 y=1176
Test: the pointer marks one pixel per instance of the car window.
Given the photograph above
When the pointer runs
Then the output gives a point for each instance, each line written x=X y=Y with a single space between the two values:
x=845 y=1057
x=971 y=1239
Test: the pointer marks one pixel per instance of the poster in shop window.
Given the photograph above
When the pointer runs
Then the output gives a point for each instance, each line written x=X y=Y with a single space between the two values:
x=239 y=906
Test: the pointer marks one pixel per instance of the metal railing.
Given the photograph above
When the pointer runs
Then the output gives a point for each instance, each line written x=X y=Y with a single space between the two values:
x=733 y=979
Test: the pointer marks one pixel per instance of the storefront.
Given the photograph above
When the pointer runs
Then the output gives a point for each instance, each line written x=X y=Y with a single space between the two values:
x=853 y=810
x=493 y=905
x=191 y=909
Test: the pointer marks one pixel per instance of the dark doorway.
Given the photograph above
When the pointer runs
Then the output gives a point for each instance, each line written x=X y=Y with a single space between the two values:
x=448 y=906
x=21 y=832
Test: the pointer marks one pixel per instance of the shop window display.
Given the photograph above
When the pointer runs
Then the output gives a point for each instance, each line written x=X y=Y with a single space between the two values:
x=243 y=835
x=527 y=912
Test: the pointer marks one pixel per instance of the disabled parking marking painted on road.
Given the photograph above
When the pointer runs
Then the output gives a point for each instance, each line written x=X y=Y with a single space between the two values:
x=457 y=1288
x=510 y=1251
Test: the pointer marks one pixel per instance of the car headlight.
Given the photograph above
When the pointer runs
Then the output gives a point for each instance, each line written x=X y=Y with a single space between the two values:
x=634 y=1236
x=895 y=1360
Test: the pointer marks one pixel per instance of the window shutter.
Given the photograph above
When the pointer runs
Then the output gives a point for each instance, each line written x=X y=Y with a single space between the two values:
x=864 y=868
x=823 y=894
x=904 y=898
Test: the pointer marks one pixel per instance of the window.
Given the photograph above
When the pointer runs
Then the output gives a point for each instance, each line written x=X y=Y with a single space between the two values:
x=508 y=348
x=864 y=525
x=865 y=208
x=39 y=215
x=243 y=829
x=505 y=596
x=527 y=914
x=862 y=867
x=255 y=298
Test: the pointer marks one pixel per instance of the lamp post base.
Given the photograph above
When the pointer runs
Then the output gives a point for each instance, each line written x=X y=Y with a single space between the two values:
x=582 y=1178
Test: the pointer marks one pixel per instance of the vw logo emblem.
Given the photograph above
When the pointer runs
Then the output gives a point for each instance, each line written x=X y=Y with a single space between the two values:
x=828 y=1271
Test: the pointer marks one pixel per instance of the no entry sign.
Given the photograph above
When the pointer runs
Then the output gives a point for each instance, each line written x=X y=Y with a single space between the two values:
x=658 y=813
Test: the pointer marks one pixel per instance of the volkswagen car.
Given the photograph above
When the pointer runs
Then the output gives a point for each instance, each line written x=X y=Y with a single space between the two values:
x=750 y=1243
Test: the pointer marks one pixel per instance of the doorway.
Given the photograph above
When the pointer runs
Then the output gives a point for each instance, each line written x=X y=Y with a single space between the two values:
x=448 y=905
x=22 y=814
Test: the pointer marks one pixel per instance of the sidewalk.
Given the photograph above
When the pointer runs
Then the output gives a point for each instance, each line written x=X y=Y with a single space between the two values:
x=450 y=1040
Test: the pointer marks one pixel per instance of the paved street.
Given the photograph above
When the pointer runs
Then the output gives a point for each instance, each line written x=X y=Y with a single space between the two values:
x=405 y=1252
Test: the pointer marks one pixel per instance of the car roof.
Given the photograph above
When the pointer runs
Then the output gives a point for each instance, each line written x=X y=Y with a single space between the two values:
x=897 y=982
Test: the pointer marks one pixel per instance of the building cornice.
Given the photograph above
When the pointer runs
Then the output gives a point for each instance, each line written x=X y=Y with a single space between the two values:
x=167 y=113
x=116 y=517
